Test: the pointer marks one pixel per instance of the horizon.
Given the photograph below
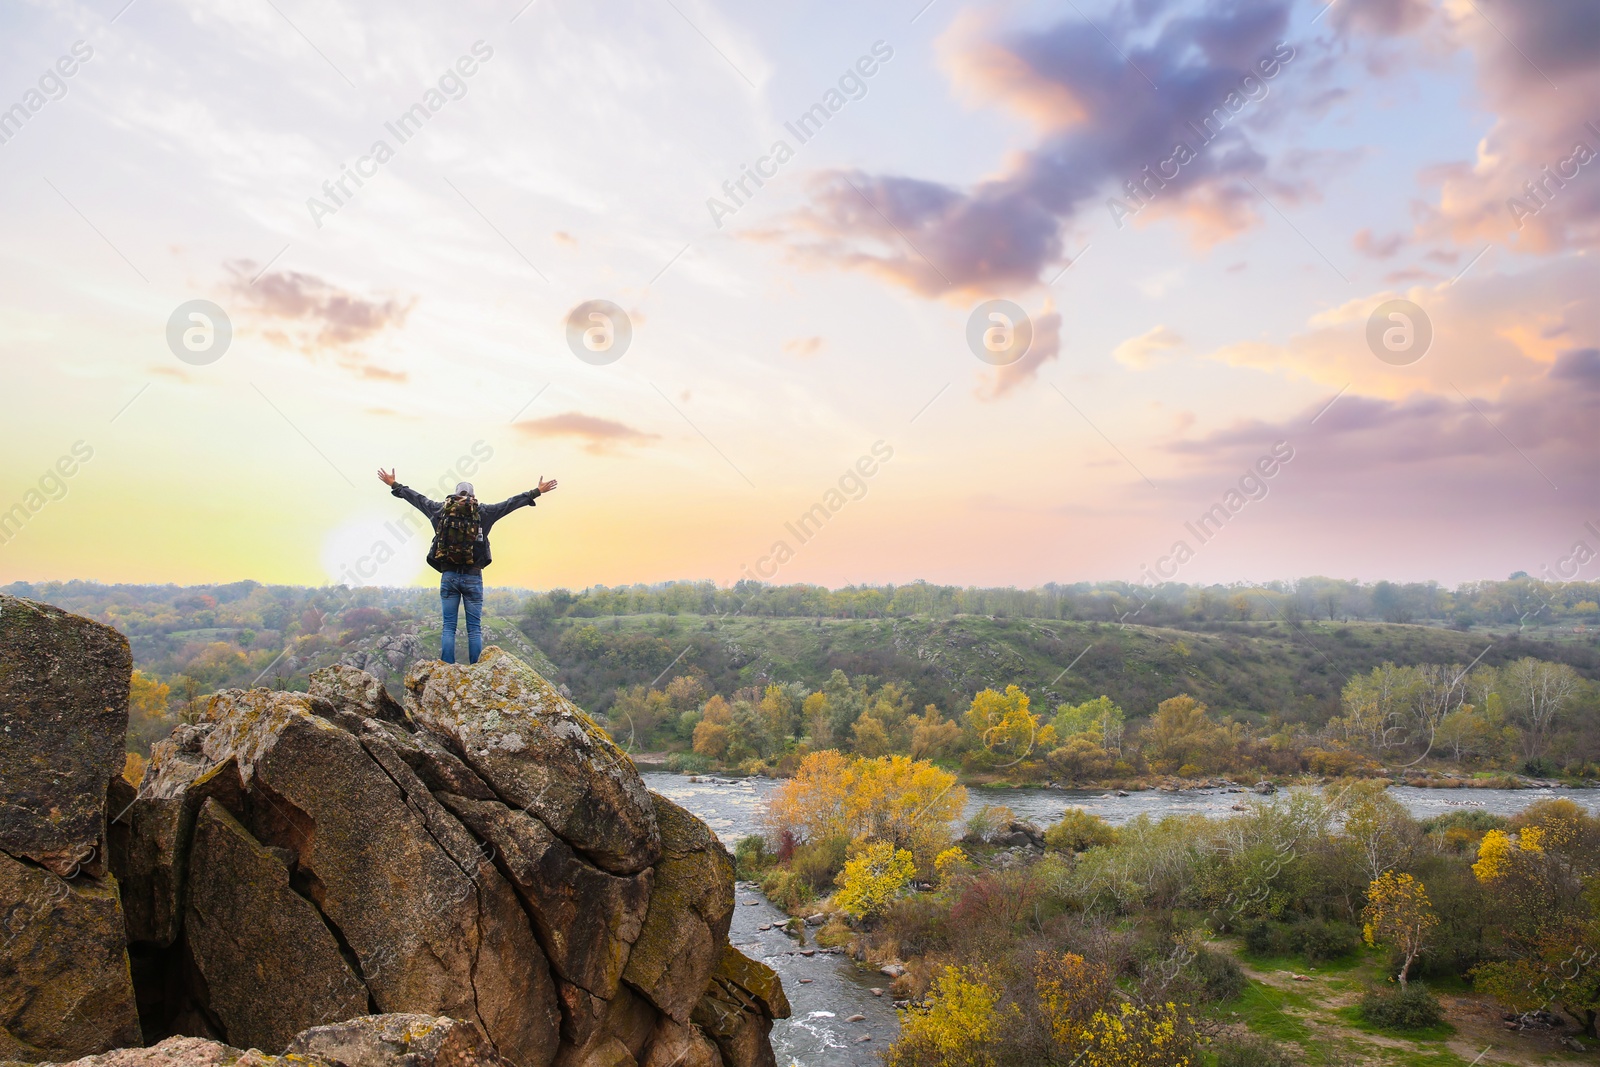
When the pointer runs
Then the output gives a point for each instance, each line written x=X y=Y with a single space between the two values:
x=994 y=296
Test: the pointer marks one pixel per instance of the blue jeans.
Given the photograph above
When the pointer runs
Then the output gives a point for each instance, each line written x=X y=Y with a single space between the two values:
x=455 y=587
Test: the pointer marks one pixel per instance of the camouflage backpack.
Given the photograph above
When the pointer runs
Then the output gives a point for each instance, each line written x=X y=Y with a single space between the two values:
x=460 y=528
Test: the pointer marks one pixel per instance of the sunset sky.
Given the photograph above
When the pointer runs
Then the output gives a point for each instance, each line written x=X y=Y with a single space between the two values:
x=1335 y=159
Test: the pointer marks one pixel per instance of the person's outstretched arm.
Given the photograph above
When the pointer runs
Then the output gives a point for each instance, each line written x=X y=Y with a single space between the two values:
x=428 y=507
x=494 y=512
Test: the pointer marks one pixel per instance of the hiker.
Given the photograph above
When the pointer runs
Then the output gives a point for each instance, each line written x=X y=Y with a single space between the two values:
x=460 y=551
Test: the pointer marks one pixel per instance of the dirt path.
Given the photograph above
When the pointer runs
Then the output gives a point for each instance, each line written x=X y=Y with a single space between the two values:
x=1310 y=1018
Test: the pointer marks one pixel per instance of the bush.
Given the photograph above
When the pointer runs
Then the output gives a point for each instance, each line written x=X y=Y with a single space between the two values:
x=819 y=862
x=988 y=821
x=1409 y=1007
x=873 y=878
x=1261 y=938
x=1219 y=975
x=1248 y=1050
x=751 y=858
x=1477 y=822
x=1078 y=830
x=787 y=889
x=1317 y=940
x=917 y=924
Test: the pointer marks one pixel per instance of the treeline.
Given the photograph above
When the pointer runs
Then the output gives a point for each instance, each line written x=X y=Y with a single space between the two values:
x=1518 y=601
x=1531 y=716
x=1120 y=945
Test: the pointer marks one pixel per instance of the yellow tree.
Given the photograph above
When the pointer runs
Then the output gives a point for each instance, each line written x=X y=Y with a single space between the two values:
x=1399 y=913
x=712 y=733
x=932 y=735
x=909 y=803
x=874 y=878
x=1002 y=722
x=1178 y=733
x=955 y=1027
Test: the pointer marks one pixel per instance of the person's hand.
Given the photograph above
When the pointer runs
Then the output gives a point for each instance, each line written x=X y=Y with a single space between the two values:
x=387 y=477
x=546 y=487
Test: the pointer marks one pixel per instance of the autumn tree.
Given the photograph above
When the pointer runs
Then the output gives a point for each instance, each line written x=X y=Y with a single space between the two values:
x=873 y=878
x=1179 y=733
x=932 y=735
x=956 y=1026
x=1377 y=827
x=148 y=716
x=1542 y=878
x=711 y=734
x=1398 y=912
x=909 y=803
x=1001 y=723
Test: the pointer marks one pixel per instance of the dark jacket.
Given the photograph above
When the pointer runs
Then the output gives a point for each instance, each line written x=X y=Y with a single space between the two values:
x=488 y=514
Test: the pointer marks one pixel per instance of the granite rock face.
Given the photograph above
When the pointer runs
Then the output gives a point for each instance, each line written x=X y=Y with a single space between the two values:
x=542 y=754
x=63 y=719
x=487 y=856
x=396 y=1040
x=65 y=986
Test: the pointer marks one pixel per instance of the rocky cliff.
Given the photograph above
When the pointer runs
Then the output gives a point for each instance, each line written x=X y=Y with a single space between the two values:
x=484 y=853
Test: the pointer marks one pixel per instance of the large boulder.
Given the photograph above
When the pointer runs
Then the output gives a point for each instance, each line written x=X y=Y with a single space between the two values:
x=676 y=1044
x=151 y=829
x=353 y=692
x=742 y=1000
x=396 y=1040
x=65 y=987
x=65 y=984
x=270 y=965
x=195 y=1052
x=587 y=919
x=540 y=753
x=433 y=925
x=691 y=908
x=293 y=859
x=63 y=718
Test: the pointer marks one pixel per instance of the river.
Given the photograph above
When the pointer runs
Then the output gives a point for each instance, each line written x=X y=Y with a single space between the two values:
x=825 y=991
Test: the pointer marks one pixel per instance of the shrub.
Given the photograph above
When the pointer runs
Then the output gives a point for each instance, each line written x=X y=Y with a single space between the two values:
x=1409 y=1007
x=1219 y=975
x=1248 y=1050
x=988 y=821
x=819 y=862
x=1262 y=938
x=873 y=878
x=1078 y=830
x=1319 y=940
x=787 y=889
x=751 y=858
x=951 y=863
x=917 y=924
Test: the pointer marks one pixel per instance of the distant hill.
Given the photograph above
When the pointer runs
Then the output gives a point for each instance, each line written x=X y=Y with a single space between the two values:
x=1250 y=669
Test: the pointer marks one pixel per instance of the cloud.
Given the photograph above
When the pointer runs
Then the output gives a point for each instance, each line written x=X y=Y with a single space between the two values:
x=804 y=346
x=1378 y=247
x=316 y=314
x=1538 y=71
x=600 y=436
x=1428 y=455
x=1045 y=347
x=1103 y=126
x=1489 y=331
x=1139 y=352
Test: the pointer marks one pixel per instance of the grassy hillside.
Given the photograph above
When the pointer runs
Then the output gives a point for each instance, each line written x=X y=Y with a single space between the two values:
x=1250 y=668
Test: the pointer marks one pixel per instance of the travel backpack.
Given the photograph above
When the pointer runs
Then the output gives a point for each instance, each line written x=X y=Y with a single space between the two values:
x=460 y=529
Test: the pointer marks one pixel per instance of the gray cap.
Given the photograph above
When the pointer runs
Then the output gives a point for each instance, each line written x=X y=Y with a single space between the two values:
x=464 y=488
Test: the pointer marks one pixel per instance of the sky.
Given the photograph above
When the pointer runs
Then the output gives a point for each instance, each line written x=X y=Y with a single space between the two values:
x=1287 y=289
